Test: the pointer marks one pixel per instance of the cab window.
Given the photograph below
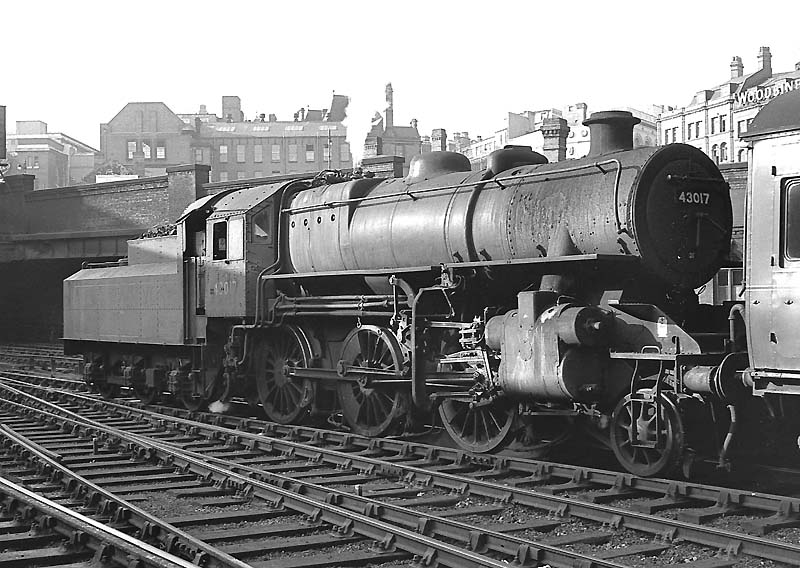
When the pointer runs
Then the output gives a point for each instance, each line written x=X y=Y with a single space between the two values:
x=220 y=240
x=261 y=227
x=791 y=219
x=236 y=238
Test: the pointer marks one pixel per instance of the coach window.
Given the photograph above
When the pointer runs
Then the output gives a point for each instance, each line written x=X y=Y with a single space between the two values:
x=791 y=219
x=220 y=240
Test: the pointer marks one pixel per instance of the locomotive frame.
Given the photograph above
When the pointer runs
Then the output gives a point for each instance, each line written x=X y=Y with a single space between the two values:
x=541 y=302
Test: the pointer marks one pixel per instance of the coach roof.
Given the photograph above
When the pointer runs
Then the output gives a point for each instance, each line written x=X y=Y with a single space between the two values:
x=781 y=114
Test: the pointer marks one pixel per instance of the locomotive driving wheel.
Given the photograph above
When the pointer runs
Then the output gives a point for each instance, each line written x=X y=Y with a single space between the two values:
x=478 y=427
x=285 y=399
x=645 y=441
x=371 y=409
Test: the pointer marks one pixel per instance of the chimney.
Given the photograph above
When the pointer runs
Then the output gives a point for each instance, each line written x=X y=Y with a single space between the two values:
x=2 y=132
x=610 y=131
x=765 y=60
x=203 y=110
x=554 y=131
x=273 y=118
x=438 y=140
x=737 y=69
x=232 y=109
x=389 y=106
x=414 y=123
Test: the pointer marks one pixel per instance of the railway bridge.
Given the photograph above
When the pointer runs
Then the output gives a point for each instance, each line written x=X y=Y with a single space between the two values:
x=45 y=235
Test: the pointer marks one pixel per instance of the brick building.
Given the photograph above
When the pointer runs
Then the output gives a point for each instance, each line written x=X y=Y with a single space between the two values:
x=385 y=138
x=54 y=158
x=716 y=117
x=147 y=138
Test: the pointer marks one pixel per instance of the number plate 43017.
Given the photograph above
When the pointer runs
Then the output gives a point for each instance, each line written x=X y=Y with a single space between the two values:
x=693 y=197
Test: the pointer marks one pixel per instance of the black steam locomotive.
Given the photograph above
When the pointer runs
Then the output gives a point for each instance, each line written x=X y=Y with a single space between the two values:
x=518 y=306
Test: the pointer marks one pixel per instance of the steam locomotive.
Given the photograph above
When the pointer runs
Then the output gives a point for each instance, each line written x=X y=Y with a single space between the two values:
x=521 y=306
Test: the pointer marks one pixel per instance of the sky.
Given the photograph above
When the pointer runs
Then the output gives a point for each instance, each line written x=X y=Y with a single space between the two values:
x=459 y=65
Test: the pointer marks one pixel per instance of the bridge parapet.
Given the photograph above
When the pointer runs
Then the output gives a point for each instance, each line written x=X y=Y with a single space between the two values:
x=91 y=221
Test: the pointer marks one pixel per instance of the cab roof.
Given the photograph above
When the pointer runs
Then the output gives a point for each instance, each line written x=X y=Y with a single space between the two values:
x=244 y=200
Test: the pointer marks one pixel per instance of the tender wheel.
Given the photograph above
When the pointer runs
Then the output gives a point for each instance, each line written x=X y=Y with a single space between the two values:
x=107 y=390
x=196 y=394
x=147 y=395
x=193 y=402
x=634 y=421
x=371 y=409
x=286 y=400
x=478 y=429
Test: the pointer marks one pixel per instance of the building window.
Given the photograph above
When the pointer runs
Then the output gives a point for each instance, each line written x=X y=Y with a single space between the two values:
x=344 y=151
x=666 y=136
x=697 y=128
x=198 y=155
x=741 y=127
x=326 y=152
x=723 y=123
x=240 y=175
x=715 y=153
x=309 y=152
x=292 y=152
x=131 y=149
x=36 y=162
x=723 y=152
x=161 y=150
x=258 y=153
x=258 y=174
x=742 y=155
x=223 y=176
x=276 y=152
x=714 y=124
x=146 y=150
x=675 y=134
x=689 y=131
x=240 y=153
x=223 y=153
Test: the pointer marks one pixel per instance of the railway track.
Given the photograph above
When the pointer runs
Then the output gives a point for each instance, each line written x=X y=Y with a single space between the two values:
x=436 y=506
x=44 y=356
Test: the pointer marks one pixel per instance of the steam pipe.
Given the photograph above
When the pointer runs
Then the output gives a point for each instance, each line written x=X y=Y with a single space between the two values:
x=735 y=309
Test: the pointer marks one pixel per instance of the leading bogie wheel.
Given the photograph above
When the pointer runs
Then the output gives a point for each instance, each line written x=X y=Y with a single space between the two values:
x=286 y=399
x=369 y=408
x=645 y=441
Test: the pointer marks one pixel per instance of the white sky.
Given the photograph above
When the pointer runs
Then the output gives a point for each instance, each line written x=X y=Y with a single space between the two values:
x=459 y=65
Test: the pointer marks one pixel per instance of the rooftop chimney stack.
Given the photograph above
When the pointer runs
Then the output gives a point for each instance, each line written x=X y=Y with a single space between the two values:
x=389 y=106
x=765 y=60
x=438 y=140
x=232 y=109
x=737 y=69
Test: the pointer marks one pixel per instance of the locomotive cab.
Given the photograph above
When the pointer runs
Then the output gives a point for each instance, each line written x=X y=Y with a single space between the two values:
x=235 y=242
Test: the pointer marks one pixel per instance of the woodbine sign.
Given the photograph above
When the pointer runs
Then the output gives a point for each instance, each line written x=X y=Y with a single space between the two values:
x=760 y=95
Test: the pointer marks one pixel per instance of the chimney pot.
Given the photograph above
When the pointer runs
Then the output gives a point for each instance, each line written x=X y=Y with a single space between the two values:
x=610 y=131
